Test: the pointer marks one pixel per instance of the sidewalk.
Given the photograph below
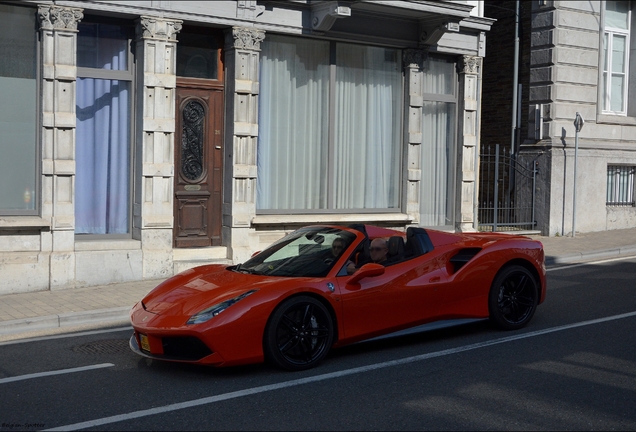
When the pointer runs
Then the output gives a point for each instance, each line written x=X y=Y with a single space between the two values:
x=23 y=315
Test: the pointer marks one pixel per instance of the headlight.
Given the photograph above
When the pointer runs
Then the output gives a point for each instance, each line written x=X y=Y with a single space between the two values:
x=213 y=311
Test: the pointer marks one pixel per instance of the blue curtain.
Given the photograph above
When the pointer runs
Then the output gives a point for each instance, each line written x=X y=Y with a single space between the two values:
x=102 y=154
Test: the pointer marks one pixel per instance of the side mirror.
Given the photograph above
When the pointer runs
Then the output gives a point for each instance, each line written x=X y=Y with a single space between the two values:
x=367 y=270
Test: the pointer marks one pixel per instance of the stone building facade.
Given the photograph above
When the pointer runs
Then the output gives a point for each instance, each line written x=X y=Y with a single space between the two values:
x=574 y=57
x=142 y=138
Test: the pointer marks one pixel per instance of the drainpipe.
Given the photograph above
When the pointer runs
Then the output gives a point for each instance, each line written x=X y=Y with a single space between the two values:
x=515 y=83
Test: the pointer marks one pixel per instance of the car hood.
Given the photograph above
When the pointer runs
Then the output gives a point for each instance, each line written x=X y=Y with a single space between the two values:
x=194 y=290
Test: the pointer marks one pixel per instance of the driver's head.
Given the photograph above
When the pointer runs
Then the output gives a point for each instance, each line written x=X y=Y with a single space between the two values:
x=337 y=246
x=378 y=250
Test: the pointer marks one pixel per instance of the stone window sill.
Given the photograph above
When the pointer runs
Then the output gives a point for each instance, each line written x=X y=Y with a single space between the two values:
x=335 y=219
x=105 y=245
x=615 y=119
x=23 y=222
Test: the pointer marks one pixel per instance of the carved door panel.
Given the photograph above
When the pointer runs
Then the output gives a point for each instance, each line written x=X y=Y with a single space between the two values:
x=198 y=167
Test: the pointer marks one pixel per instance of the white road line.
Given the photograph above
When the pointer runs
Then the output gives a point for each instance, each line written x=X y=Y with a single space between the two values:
x=57 y=372
x=590 y=263
x=323 y=377
x=62 y=336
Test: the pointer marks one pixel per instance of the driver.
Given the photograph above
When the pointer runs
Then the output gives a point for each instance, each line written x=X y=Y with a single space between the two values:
x=378 y=251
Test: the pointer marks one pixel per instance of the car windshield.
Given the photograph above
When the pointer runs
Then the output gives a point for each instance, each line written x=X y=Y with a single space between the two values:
x=308 y=252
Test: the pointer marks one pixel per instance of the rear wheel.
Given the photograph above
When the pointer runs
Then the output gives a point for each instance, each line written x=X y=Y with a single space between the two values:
x=299 y=334
x=513 y=298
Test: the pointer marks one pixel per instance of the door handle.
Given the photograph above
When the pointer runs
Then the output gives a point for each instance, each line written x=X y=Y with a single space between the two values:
x=434 y=279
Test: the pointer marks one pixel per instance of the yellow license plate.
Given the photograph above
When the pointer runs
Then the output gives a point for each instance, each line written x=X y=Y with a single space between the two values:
x=144 y=342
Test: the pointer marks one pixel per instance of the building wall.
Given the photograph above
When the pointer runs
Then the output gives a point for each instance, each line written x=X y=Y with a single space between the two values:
x=566 y=52
x=40 y=252
x=564 y=43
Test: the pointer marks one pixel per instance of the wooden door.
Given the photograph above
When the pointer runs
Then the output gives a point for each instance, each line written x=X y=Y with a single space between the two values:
x=198 y=166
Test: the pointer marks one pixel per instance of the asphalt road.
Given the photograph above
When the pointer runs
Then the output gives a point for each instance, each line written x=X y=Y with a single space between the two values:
x=573 y=367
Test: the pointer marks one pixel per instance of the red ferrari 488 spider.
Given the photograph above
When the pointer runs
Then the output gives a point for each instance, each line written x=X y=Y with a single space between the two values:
x=291 y=303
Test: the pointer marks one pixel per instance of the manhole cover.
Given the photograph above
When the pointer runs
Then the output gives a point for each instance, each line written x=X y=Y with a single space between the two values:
x=108 y=346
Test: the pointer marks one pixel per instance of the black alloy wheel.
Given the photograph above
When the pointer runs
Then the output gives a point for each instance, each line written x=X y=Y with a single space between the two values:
x=513 y=298
x=299 y=334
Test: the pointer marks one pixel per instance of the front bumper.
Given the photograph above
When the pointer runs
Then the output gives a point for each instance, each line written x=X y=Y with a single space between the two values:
x=178 y=349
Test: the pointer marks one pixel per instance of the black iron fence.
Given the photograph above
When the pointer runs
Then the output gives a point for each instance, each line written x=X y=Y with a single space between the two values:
x=506 y=191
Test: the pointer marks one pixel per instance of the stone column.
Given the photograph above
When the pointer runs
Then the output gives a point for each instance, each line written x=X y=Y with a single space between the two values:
x=242 y=51
x=467 y=142
x=414 y=71
x=58 y=28
x=154 y=142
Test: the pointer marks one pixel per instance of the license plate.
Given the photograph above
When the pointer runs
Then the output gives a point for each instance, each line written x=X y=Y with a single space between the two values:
x=144 y=342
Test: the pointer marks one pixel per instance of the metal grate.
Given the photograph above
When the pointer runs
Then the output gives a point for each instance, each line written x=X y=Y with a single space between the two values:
x=620 y=185
x=506 y=191
x=108 y=346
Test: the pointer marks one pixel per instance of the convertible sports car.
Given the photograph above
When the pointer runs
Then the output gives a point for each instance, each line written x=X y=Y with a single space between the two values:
x=291 y=303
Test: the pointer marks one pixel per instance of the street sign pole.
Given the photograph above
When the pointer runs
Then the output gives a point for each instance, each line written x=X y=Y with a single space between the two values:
x=578 y=125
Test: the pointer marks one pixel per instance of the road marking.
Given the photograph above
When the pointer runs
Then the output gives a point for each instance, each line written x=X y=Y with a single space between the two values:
x=590 y=263
x=66 y=335
x=327 y=376
x=57 y=372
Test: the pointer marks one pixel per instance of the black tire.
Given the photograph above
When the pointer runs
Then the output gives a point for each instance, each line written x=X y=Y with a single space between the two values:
x=513 y=298
x=299 y=334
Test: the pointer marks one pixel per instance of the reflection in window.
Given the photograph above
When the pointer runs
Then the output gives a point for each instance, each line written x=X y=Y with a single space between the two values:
x=197 y=55
x=18 y=107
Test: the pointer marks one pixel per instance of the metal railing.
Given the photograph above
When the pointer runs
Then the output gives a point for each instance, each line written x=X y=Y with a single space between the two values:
x=507 y=189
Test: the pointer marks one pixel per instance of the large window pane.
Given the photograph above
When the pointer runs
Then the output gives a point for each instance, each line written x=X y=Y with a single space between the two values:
x=618 y=53
x=102 y=184
x=18 y=121
x=437 y=163
x=617 y=92
x=439 y=77
x=616 y=14
x=198 y=55
x=102 y=46
x=293 y=124
x=367 y=127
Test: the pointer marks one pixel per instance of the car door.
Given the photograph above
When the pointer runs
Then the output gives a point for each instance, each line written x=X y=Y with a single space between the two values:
x=408 y=293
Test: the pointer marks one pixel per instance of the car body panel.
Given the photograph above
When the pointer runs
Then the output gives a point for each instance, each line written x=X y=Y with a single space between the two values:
x=408 y=293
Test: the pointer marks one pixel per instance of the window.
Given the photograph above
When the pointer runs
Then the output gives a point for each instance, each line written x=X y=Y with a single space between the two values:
x=620 y=185
x=103 y=136
x=198 y=54
x=19 y=155
x=616 y=57
x=437 y=185
x=329 y=127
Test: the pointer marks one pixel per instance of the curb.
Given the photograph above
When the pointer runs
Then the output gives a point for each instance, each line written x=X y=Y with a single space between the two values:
x=68 y=319
x=587 y=256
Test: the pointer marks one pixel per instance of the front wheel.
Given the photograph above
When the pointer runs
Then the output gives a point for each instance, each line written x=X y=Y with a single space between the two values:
x=513 y=298
x=299 y=334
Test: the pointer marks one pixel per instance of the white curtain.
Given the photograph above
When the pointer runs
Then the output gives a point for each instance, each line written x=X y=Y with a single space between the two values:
x=438 y=143
x=437 y=164
x=293 y=124
x=367 y=127
x=102 y=185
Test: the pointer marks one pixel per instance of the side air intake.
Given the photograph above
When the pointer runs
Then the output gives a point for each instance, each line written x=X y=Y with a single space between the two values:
x=462 y=257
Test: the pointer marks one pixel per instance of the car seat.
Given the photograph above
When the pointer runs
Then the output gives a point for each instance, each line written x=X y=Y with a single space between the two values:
x=417 y=242
x=396 y=250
